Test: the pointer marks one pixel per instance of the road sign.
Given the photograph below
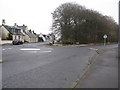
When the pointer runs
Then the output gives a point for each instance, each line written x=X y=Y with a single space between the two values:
x=105 y=36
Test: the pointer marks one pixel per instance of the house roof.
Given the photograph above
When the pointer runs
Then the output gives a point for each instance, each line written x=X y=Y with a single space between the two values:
x=17 y=30
x=31 y=35
x=13 y=30
x=22 y=27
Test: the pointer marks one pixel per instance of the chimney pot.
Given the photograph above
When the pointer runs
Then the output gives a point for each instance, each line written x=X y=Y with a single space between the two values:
x=3 y=22
x=15 y=24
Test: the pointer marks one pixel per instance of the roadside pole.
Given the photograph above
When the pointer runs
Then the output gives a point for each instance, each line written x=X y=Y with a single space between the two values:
x=105 y=37
x=104 y=41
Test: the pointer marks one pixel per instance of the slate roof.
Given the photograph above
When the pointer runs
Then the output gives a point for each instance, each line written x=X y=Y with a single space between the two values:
x=17 y=30
x=22 y=27
x=31 y=35
x=13 y=30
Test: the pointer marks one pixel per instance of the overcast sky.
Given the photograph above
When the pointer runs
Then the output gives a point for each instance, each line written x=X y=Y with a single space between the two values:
x=36 y=14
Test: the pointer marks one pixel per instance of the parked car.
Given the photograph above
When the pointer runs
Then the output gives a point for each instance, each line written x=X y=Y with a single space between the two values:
x=17 y=42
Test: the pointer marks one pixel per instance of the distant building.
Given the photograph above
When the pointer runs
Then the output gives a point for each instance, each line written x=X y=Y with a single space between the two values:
x=30 y=36
x=17 y=33
x=10 y=32
x=45 y=38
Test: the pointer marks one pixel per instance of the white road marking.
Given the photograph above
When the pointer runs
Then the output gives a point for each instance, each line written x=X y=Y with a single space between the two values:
x=93 y=49
x=1 y=61
x=30 y=49
x=3 y=49
x=35 y=50
x=47 y=51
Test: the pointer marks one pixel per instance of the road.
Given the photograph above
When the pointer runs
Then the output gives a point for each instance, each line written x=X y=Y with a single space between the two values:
x=38 y=66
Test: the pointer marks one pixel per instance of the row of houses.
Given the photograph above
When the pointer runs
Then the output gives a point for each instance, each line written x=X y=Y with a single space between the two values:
x=22 y=33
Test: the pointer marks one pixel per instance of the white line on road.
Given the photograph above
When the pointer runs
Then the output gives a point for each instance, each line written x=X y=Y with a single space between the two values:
x=3 y=49
x=1 y=61
x=6 y=49
x=47 y=51
x=93 y=49
x=30 y=49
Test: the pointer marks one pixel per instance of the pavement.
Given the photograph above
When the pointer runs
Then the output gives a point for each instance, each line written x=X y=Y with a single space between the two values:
x=5 y=42
x=103 y=73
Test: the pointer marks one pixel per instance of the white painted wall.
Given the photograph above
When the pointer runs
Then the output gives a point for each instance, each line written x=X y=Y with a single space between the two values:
x=4 y=32
x=16 y=37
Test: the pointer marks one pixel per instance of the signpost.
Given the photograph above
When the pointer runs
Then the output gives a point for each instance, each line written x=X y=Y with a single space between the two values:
x=105 y=37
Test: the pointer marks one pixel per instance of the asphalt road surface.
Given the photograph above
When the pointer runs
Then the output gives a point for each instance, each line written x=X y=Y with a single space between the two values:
x=38 y=66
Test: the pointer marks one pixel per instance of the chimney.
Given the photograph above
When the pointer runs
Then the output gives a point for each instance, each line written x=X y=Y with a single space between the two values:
x=33 y=32
x=30 y=31
x=15 y=24
x=3 y=22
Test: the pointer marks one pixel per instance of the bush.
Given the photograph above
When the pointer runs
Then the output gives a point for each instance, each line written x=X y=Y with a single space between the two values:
x=9 y=36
